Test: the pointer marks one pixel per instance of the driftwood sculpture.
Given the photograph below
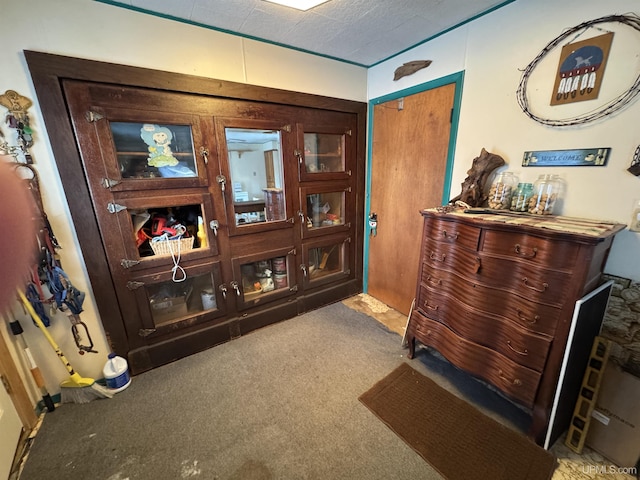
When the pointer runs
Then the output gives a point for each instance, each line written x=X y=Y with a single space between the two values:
x=473 y=186
x=410 y=68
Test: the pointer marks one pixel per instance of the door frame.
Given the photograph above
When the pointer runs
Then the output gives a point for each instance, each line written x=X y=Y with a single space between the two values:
x=454 y=78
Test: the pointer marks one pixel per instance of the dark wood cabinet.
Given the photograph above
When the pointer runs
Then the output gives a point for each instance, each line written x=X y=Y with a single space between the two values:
x=204 y=209
x=496 y=296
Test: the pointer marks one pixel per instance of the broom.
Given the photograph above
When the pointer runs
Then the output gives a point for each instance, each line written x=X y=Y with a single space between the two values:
x=76 y=389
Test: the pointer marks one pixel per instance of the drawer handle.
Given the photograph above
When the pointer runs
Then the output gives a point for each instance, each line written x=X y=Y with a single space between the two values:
x=523 y=353
x=523 y=317
x=449 y=236
x=515 y=381
x=433 y=256
x=478 y=264
x=431 y=307
x=433 y=282
x=539 y=290
x=522 y=253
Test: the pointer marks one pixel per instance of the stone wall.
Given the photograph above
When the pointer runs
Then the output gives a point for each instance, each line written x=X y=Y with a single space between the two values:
x=622 y=322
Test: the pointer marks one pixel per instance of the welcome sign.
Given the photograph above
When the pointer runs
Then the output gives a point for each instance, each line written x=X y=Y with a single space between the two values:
x=581 y=69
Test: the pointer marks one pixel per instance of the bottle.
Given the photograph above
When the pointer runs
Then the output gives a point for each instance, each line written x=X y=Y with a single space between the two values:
x=202 y=235
x=546 y=191
x=520 y=198
x=501 y=190
x=116 y=373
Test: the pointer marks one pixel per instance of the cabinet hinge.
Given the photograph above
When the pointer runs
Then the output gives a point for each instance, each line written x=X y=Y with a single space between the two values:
x=348 y=224
x=347 y=240
x=108 y=182
x=294 y=288
x=93 y=116
x=132 y=284
x=349 y=172
x=126 y=263
x=348 y=271
x=145 y=332
x=115 y=207
x=348 y=189
x=348 y=132
x=6 y=384
x=291 y=220
x=286 y=128
x=291 y=252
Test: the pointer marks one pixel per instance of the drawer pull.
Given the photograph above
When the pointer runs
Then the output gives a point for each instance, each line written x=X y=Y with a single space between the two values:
x=520 y=251
x=478 y=264
x=515 y=381
x=434 y=308
x=437 y=281
x=523 y=353
x=433 y=256
x=449 y=236
x=540 y=290
x=523 y=317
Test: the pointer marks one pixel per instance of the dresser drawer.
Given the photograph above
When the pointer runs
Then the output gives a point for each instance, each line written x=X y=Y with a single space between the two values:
x=557 y=254
x=484 y=328
x=524 y=279
x=441 y=255
x=514 y=380
x=453 y=233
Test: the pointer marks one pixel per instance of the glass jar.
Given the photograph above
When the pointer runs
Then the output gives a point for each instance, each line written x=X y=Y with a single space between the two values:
x=520 y=198
x=546 y=191
x=501 y=191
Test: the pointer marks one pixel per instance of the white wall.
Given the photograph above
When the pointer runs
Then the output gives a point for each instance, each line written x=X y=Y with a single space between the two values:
x=87 y=29
x=492 y=51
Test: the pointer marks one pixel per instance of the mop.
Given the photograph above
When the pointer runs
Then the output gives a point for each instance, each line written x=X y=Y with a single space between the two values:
x=76 y=389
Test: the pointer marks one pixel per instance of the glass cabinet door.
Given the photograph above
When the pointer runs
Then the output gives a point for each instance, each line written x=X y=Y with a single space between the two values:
x=168 y=304
x=324 y=209
x=264 y=277
x=253 y=177
x=327 y=152
x=141 y=153
x=325 y=261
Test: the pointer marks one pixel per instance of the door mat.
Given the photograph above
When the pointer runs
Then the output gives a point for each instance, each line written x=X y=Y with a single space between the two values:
x=455 y=438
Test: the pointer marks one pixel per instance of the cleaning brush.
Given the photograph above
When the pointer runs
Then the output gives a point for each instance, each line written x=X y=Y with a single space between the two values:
x=76 y=389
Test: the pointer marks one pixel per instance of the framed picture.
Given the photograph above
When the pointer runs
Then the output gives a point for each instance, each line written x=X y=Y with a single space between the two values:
x=586 y=157
x=581 y=69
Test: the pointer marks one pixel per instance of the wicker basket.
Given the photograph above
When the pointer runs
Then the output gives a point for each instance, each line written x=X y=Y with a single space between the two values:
x=162 y=247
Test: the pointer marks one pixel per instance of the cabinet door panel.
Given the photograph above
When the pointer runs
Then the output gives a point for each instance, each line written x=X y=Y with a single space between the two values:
x=325 y=260
x=326 y=208
x=263 y=277
x=326 y=150
x=166 y=305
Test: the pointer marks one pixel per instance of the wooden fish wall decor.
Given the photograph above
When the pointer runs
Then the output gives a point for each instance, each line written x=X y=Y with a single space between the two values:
x=410 y=68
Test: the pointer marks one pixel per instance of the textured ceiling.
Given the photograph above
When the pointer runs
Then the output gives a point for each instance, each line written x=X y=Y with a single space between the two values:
x=363 y=32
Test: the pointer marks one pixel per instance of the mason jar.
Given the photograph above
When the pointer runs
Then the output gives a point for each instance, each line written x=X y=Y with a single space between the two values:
x=520 y=198
x=546 y=191
x=501 y=190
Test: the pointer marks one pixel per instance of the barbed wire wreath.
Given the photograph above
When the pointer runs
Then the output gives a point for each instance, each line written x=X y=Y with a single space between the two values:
x=632 y=20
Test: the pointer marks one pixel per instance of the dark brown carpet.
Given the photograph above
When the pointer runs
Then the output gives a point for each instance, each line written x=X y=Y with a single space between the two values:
x=457 y=440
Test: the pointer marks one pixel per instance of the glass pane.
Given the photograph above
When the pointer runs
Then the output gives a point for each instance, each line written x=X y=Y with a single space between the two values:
x=171 y=302
x=325 y=261
x=167 y=230
x=323 y=152
x=147 y=150
x=264 y=276
x=325 y=209
x=257 y=178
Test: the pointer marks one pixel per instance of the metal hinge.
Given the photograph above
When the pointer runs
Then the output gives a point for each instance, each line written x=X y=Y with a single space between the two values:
x=126 y=263
x=5 y=382
x=294 y=288
x=286 y=128
x=108 y=182
x=132 y=284
x=93 y=116
x=291 y=252
x=145 y=332
x=115 y=207
x=348 y=132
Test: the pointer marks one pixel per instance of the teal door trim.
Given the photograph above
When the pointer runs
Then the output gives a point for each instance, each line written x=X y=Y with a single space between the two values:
x=455 y=78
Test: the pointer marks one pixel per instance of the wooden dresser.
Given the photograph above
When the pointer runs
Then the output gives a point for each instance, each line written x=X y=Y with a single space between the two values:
x=496 y=295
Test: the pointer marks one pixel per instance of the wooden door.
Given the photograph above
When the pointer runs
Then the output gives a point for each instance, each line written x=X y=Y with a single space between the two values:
x=408 y=168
